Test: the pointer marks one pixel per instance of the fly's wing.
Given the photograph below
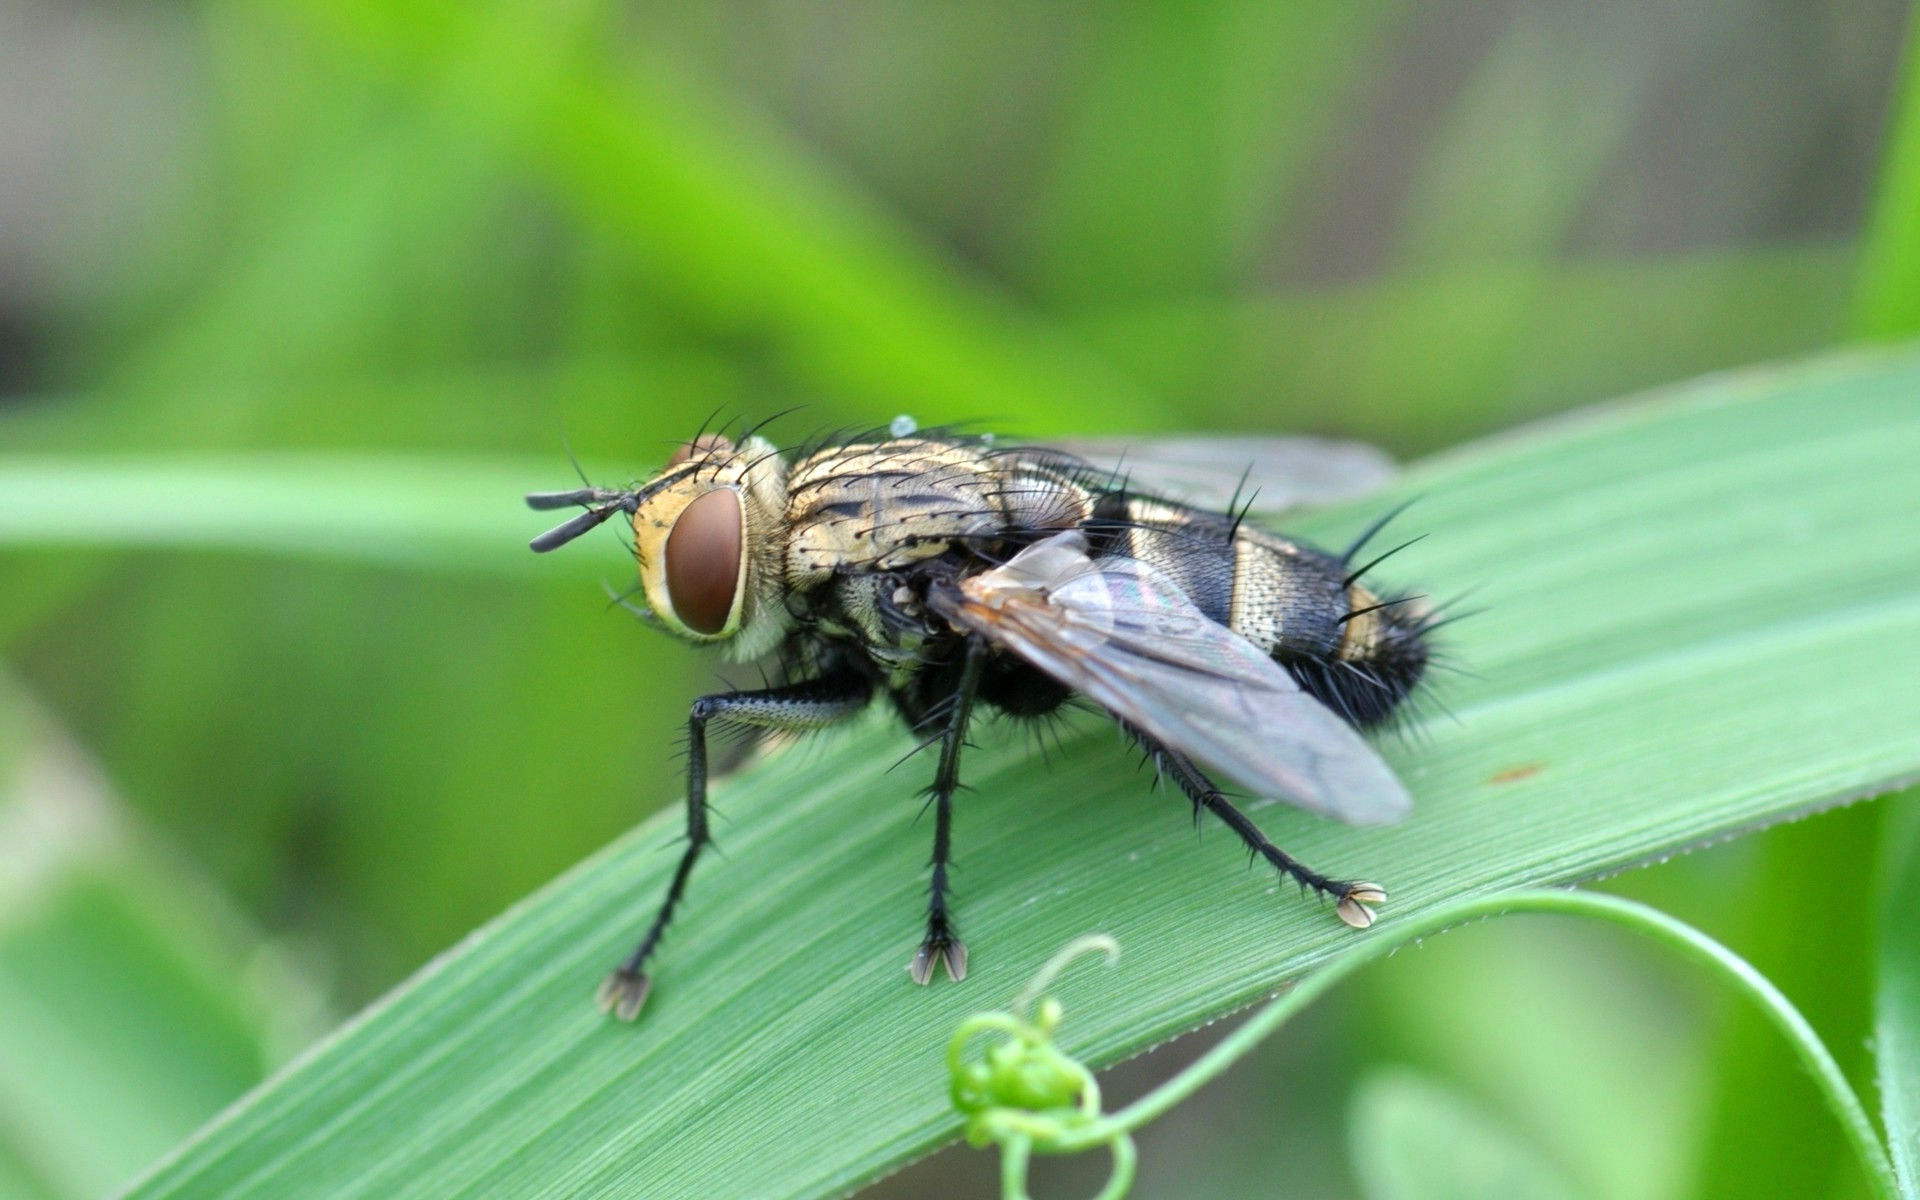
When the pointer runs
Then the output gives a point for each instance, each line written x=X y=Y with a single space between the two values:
x=1126 y=636
x=1217 y=473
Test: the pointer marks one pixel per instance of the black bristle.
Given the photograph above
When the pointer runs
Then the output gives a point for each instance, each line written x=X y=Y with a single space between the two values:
x=1372 y=608
x=1353 y=576
x=1371 y=692
x=1379 y=523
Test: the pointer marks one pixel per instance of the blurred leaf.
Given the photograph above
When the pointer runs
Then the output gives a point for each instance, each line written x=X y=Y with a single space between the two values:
x=1415 y=1139
x=131 y=1006
x=750 y=230
x=1420 y=361
x=1758 y=1101
x=17 y=1181
x=1896 y=1027
x=1887 y=302
x=439 y=513
x=1688 y=597
x=390 y=758
x=1187 y=128
x=348 y=233
x=1551 y=1024
x=1507 y=174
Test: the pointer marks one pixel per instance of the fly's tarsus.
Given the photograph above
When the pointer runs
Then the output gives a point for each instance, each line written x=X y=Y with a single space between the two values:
x=941 y=949
x=1357 y=903
x=623 y=993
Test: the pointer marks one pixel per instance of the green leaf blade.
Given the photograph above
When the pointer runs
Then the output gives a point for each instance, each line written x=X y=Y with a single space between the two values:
x=1701 y=620
x=1889 y=272
x=446 y=513
x=132 y=1004
x=1415 y=1139
x=1896 y=1031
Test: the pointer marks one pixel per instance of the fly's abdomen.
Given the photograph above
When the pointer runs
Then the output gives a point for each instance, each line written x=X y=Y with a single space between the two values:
x=1193 y=548
x=1358 y=653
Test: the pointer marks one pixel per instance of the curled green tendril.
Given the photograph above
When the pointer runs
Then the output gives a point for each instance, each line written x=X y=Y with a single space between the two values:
x=1032 y=1099
x=1023 y=1093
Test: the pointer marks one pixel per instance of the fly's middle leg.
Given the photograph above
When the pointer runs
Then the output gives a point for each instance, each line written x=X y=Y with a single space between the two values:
x=941 y=945
x=1353 y=900
x=799 y=706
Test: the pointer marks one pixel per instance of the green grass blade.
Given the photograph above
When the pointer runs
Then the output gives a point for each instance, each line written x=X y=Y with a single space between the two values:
x=1184 y=133
x=1754 y=1101
x=1515 y=157
x=1424 y=360
x=1701 y=618
x=132 y=1006
x=1415 y=1139
x=743 y=223
x=1896 y=1034
x=441 y=513
x=1887 y=302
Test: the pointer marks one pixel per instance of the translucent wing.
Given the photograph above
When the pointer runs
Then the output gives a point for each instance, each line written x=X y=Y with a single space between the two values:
x=1124 y=635
x=1275 y=473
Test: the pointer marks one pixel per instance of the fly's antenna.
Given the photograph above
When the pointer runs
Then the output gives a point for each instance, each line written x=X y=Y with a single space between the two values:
x=602 y=503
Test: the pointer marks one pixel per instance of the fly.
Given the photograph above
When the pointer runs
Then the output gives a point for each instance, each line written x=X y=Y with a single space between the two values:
x=947 y=572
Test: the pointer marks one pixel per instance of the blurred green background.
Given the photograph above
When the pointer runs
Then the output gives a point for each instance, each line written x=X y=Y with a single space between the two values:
x=241 y=794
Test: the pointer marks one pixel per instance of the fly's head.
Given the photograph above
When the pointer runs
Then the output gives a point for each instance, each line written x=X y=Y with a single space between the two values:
x=709 y=536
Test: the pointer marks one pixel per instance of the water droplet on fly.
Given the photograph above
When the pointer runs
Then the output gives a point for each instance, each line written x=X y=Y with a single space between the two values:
x=903 y=426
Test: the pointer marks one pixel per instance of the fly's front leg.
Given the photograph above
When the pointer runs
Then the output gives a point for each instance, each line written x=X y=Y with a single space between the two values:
x=799 y=706
x=1353 y=901
x=941 y=945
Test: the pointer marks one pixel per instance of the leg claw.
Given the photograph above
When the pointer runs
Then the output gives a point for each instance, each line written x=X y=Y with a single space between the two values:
x=943 y=949
x=1356 y=903
x=623 y=992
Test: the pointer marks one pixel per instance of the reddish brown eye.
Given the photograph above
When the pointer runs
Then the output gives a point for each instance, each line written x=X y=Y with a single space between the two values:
x=703 y=561
x=706 y=443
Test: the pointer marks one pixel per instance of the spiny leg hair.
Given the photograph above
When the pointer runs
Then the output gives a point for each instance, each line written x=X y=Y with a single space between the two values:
x=942 y=946
x=1353 y=901
x=795 y=707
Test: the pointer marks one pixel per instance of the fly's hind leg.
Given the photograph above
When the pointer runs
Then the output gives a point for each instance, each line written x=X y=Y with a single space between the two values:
x=1353 y=901
x=799 y=706
x=942 y=947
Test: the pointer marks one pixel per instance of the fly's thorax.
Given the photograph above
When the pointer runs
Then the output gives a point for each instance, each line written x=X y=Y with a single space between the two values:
x=710 y=543
x=884 y=506
x=883 y=616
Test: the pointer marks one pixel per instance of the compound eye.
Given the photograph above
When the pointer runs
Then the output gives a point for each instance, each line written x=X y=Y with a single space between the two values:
x=703 y=561
x=705 y=444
